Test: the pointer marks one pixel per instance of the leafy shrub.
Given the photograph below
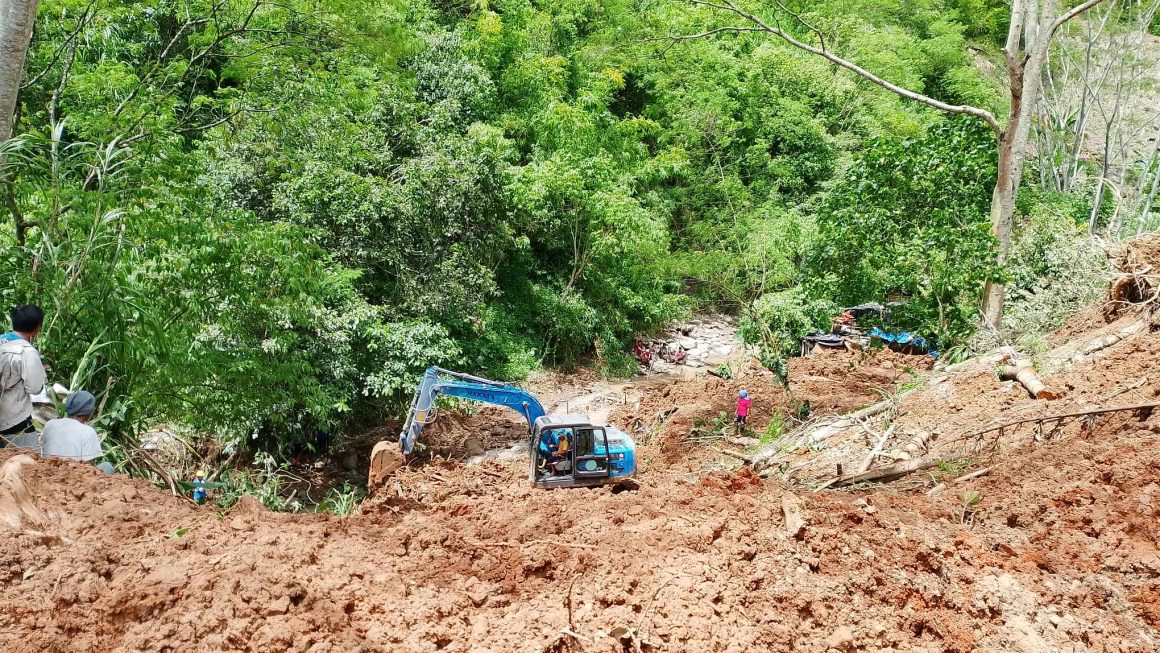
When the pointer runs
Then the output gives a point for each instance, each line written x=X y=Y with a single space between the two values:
x=341 y=501
x=909 y=217
x=776 y=322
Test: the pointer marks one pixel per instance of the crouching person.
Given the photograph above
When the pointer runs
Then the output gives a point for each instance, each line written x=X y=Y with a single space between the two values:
x=71 y=437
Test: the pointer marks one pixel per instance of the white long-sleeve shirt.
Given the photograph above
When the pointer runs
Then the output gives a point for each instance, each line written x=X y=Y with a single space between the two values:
x=21 y=377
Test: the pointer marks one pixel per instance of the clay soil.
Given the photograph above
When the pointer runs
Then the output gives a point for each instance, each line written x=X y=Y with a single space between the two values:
x=1058 y=553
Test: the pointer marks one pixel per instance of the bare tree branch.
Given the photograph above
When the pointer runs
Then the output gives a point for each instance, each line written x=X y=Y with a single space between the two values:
x=977 y=112
x=701 y=35
x=817 y=32
x=69 y=41
x=1070 y=15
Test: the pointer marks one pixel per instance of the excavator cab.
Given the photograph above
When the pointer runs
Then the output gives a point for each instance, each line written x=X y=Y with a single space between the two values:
x=594 y=455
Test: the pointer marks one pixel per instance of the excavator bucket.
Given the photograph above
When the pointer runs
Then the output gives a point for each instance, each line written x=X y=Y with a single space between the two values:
x=386 y=458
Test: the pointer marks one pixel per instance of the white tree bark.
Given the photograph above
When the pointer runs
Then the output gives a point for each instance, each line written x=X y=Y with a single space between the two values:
x=1033 y=25
x=16 y=20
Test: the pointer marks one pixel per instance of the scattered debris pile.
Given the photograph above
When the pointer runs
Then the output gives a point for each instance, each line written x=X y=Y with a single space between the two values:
x=703 y=342
x=974 y=413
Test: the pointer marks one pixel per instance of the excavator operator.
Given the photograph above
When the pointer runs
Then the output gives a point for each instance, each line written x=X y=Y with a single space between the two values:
x=554 y=446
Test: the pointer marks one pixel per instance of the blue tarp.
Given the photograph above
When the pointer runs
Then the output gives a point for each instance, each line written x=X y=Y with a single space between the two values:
x=903 y=338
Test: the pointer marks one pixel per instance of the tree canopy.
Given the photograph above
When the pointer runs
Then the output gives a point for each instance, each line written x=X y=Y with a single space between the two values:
x=262 y=219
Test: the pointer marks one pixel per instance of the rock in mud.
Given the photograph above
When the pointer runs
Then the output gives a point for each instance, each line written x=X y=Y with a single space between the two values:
x=842 y=639
x=795 y=522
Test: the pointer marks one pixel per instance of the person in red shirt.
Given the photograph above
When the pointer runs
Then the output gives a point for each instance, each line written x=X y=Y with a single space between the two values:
x=742 y=411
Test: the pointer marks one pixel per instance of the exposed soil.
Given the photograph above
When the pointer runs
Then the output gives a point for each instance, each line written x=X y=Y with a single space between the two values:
x=1060 y=551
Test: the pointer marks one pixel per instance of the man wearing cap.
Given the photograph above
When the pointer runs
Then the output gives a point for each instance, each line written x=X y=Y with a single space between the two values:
x=71 y=437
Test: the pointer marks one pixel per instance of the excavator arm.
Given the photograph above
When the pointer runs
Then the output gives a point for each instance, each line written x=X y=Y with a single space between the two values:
x=386 y=457
x=438 y=381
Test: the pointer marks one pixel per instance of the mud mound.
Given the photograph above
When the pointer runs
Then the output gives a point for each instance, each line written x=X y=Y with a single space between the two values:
x=836 y=381
x=827 y=383
x=459 y=435
x=670 y=413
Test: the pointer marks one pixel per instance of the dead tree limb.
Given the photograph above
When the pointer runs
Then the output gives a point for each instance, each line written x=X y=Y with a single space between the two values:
x=1051 y=418
x=1109 y=340
x=976 y=474
x=877 y=448
x=739 y=456
x=899 y=469
x=918 y=464
x=728 y=6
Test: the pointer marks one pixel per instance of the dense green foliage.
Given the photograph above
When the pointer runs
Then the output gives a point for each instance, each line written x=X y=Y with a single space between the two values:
x=264 y=219
x=908 y=219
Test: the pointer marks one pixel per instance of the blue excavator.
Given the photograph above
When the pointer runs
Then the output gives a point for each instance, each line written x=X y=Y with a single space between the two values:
x=564 y=451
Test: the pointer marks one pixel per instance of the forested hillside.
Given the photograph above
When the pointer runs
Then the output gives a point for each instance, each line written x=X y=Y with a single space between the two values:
x=260 y=219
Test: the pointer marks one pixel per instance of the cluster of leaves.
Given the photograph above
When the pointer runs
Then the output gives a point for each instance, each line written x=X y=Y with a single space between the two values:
x=910 y=219
x=1055 y=270
x=262 y=220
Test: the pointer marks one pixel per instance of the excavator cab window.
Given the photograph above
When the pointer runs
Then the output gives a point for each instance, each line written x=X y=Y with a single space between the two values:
x=590 y=453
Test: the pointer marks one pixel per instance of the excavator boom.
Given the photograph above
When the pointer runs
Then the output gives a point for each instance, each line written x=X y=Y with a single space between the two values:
x=438 y=381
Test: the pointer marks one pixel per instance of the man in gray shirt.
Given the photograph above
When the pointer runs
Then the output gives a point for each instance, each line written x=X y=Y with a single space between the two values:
x=71 y=437
x=21 y=373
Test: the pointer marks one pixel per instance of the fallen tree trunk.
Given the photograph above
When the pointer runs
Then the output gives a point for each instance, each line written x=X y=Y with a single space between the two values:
x=899 y=469
x=996 y=356
x=1024 y=372
x=1108 y=340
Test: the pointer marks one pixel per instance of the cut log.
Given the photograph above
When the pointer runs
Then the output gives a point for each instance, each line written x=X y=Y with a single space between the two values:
x=795 y=522
x=1023 y=372
x=918 y=443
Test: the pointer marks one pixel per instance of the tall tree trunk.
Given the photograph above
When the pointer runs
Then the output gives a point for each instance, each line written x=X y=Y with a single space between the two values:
x=1002 y=215
x=1033 y=30
x=16 y=20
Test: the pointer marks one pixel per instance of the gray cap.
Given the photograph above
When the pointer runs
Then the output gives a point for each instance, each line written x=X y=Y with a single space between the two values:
x=80 y=403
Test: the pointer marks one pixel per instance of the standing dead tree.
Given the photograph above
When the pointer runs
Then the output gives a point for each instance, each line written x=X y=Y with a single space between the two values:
x=1033 y=25
x=1125 y=70
x=1066 y=100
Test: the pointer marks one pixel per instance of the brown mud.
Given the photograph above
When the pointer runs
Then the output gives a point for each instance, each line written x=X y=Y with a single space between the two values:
x=1058 y=551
